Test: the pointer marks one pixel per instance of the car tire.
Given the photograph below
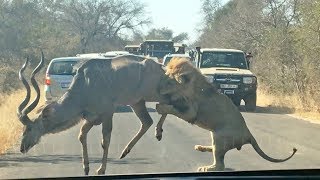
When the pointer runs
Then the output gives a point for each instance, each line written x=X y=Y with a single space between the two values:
x=251 y=102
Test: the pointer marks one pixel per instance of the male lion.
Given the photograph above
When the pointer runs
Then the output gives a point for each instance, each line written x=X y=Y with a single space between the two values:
x=196 y=101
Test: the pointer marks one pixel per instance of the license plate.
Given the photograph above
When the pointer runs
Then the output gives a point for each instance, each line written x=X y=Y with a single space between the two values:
x=233 y=86
x=228 y=91
x=65 y=85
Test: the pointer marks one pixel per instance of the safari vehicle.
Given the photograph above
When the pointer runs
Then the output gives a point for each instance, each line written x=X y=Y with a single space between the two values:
x=111 y=54
x=133 y=49
x=229 y=70
x=90 y=55
x=59 y=77
x=180 y=48
x=157 y=48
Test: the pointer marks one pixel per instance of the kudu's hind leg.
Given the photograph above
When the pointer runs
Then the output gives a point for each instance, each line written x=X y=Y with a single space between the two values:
x=106 y=132
x=83 y=139
x=146 y=121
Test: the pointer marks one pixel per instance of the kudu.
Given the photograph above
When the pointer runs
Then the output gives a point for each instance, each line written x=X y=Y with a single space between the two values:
x=98 y=87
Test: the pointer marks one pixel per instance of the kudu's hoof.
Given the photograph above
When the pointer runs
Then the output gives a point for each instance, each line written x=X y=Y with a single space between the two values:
x=124 y=153
x=86 y=171
x=159 y=137
x=159 y=134
x=100 y=172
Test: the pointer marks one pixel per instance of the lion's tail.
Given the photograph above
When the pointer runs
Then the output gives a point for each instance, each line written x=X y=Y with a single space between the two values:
x=265 y=156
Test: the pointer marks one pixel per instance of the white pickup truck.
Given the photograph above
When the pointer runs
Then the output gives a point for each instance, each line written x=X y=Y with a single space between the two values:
x=229 y=70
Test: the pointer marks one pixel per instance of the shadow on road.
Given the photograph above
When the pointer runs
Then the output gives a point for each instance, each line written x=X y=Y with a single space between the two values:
x=121 y=109
x=229 y=169
x=15 y=159
x=270 y=110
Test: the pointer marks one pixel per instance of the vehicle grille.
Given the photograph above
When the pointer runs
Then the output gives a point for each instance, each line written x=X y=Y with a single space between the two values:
x=228 y=78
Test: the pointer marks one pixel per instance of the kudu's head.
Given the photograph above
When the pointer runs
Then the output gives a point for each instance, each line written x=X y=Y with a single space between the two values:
x=33 y=130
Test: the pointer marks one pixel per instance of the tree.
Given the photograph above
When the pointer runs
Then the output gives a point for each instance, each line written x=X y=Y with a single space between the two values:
x=62 y=28
x=102 y=18
x=166 y=34
x=209 y=7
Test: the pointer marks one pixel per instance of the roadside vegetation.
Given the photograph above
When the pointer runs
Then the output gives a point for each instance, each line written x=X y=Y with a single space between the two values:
x=282 y=35
x=286 y=104
x=10 y=127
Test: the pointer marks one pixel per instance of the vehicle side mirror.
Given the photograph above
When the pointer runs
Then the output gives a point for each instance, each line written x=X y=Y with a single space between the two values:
x=198 y=49
x=249 y=56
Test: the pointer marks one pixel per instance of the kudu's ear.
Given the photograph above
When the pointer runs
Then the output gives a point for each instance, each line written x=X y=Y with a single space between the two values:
x=47 y=110
x=40 y=109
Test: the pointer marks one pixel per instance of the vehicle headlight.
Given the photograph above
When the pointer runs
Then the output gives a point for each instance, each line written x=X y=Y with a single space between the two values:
x=209 y=78
x=249 y=80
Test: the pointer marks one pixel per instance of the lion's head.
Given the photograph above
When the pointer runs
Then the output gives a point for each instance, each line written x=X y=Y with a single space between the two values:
x=184 y=79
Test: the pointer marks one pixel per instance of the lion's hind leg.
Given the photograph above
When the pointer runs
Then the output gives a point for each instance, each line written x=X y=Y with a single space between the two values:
x=218 y=161
x=203 y=148
x=218 y=153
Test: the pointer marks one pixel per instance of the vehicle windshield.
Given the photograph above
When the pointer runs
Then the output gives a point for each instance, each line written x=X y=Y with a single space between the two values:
x=242 y=92
x=167 y=60
x=133 y=50
x=62 y=68
x=157 y=48
x=223 y=59
x=164 y=46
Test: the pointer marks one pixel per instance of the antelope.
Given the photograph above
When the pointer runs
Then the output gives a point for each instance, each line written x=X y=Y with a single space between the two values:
x=98 y=87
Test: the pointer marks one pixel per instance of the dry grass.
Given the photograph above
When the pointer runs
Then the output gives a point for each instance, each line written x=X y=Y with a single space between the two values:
x=10 y=126
x=285 y=104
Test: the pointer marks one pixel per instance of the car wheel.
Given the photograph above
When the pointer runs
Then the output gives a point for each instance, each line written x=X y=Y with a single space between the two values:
x=251 y=103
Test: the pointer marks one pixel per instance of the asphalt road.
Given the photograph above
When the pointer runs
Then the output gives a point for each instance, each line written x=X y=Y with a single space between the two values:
x=60 y=154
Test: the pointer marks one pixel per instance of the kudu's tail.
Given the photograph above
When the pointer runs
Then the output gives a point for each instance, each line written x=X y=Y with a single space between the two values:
x=265 y=156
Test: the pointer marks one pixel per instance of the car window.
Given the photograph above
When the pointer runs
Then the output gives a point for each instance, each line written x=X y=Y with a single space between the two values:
x=62 y=67
x=167 y=60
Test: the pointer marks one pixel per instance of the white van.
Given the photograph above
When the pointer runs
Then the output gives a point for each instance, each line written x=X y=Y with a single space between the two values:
x=59 y=76
x=168 y=57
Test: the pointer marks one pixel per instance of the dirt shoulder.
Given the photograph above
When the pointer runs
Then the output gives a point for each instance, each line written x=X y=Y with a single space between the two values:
x=289 y=105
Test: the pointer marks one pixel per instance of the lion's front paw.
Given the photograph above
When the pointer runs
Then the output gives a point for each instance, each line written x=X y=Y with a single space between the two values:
x=163 y=108
x=210 y=168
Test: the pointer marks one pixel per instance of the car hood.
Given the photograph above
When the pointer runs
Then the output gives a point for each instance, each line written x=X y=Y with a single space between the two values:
x=222 y=70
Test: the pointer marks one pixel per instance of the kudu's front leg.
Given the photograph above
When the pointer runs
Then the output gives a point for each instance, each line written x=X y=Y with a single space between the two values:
x=85 y=128
x=106 y=132
x=159 y=129
x=146 y=121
